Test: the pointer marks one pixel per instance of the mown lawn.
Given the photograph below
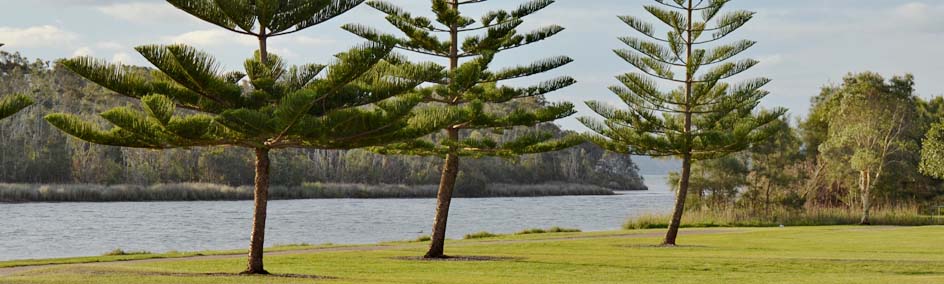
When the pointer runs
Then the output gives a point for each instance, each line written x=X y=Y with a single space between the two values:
x=844 y=254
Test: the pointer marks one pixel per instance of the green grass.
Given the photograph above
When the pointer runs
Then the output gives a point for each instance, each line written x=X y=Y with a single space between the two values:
x=827 y=254
x=903 y=216
x=115 y=256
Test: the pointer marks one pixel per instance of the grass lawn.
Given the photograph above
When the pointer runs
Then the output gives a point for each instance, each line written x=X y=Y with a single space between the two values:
x=842 y=254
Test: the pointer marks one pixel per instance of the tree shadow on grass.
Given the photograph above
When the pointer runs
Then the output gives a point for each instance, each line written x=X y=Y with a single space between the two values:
x=661 y=246
x=458 y=258
x=99 y=271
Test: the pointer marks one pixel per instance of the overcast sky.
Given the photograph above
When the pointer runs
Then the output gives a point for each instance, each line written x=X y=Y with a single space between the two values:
x=803 y=44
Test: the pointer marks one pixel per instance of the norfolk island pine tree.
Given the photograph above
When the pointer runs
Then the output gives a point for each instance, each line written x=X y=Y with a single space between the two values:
x=703 y=119
x=364 y=99
x=472 y=88
x=12 y=104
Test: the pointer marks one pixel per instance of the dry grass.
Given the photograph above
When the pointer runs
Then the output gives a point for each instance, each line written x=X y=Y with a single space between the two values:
x=894 y=216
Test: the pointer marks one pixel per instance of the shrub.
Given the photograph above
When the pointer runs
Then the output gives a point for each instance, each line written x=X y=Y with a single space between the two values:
x=554 y=229
x=118 y=251
x=480 y=235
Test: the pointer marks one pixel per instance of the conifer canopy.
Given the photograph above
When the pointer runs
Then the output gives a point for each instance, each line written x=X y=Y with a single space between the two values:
x=472 y=87
x=722 y=115
x=13 y=104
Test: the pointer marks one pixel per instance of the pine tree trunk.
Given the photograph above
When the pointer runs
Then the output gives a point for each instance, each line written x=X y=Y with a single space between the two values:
x=450 y=172
x=866 y=187
x=680 y=197
x=261 y=197
x=447 y=185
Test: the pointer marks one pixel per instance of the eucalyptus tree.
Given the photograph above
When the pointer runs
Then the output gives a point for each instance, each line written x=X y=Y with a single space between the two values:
x=364 y=99
x=704 y=118
x=868 y=130
x=473 y=88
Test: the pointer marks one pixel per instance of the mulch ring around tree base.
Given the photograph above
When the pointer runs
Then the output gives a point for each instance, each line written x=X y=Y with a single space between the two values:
x=458 y=258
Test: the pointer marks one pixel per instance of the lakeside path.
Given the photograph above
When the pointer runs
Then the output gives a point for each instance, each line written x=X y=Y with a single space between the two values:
x=842 y=254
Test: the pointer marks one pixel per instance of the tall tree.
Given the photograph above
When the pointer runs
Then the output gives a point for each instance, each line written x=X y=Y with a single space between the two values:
x=771 y=162
x=869 y=128
x=471 y=87
x=703 y=119
x=363 y=99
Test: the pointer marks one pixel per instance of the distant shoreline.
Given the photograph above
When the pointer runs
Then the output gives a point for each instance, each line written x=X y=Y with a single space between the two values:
x=52 y=193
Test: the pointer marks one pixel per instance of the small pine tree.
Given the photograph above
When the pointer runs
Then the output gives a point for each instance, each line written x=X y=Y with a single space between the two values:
x=364 y=99
x=472 y=88
x=704 y=118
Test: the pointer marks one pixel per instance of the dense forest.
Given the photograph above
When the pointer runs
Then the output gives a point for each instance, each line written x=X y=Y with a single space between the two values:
x=859 y=147
x=35 y=152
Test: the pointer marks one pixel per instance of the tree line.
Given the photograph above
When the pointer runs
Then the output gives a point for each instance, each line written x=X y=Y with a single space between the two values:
x=866 y=142
x=36 y=153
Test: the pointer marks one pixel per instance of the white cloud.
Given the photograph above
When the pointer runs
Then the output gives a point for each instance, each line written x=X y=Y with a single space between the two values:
x=83 y=51
x=770 y=60
x=215 y=37
x=141 y=12
x=122 y=58
x=109 y=45
x=313 y=41
x=919 y=16
x=38 y=36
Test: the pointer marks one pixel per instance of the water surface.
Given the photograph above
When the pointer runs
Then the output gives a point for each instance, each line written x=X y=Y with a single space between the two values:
x=45 y=230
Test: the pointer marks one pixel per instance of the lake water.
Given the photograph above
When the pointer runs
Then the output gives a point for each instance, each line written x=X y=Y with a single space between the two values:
x=45 y=230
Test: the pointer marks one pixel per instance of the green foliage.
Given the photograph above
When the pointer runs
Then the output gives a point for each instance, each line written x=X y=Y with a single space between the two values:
x=871 y=120
x=297 y=111
x=932 y=152
x=13 y=104
x=715 y=183
x=118 y=252
x=706 y=118
x=264 y=18
x=480 y=235
x=472 y=89
x=554 y=229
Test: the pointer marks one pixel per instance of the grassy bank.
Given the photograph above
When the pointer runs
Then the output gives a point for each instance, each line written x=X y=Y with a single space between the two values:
x=901 y=216
x=838 y=254
x=206 y=192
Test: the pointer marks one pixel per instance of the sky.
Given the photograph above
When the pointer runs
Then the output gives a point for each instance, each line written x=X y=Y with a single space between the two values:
x=803 y=45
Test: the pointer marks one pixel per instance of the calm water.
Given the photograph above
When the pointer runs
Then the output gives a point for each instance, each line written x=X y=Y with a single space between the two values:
x=44 y=230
